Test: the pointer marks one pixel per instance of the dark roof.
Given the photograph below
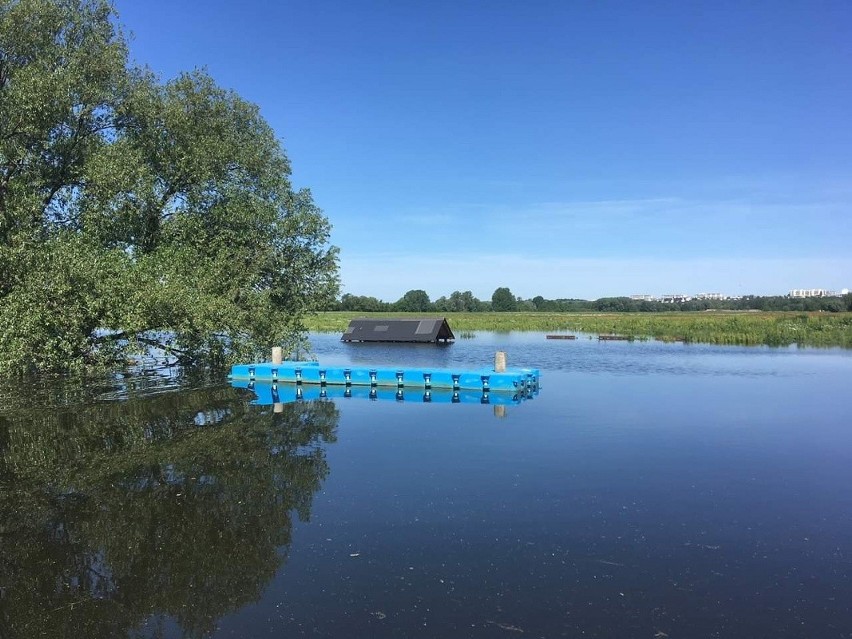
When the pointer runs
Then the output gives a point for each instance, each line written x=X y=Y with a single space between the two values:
x=430 y=329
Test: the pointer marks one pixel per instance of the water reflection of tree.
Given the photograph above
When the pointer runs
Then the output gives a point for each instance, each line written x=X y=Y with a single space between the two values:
x=118 y=517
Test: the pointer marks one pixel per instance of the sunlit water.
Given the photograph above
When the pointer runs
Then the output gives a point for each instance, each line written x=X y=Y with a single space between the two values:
x=649 y=490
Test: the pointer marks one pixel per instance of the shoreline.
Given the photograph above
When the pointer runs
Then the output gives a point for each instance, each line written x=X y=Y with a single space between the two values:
x=744 y=328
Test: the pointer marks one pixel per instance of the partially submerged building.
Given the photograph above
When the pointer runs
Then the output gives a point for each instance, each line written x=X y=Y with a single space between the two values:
x=423 y=330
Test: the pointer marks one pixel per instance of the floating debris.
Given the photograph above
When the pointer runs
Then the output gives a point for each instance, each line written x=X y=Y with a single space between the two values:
x=506 y=626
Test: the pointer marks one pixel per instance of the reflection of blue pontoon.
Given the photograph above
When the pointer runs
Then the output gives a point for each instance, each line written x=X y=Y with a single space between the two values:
x=269 y=393
x=291 y=381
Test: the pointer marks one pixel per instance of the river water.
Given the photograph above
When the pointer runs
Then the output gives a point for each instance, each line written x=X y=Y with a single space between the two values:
x=648 y=490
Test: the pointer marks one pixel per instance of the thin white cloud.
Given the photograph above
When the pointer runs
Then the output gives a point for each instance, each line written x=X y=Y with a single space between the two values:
x=623 y=228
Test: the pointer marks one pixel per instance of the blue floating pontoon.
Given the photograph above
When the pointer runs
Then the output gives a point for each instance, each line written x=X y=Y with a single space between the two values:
x=482 y=380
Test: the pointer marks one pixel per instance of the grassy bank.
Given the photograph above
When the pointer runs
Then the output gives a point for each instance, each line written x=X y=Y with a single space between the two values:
x=747 y=328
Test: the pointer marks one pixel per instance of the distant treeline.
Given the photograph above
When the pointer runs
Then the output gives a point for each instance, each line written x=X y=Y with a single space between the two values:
x=417 y=301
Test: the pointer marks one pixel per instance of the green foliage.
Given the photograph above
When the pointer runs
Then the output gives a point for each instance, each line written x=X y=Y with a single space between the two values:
x=459 y=302
x=62 y=292
x=135 y=214
x=616 y=304
x=503 y=300
x=415 y=301
x=747 y=328
x=362 y=303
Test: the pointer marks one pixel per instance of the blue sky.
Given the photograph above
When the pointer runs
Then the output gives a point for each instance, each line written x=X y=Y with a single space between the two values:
x=564 y=149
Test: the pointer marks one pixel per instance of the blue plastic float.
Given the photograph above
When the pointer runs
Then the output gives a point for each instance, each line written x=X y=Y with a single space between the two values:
x=484 y=380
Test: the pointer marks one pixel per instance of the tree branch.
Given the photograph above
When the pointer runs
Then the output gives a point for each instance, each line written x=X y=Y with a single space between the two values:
x=137 y=336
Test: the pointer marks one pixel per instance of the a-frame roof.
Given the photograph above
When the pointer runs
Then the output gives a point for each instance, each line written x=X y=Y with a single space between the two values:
x=415 y=329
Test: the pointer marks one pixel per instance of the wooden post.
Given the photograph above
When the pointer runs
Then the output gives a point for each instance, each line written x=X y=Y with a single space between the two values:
x=277 y=355
x=500 y=362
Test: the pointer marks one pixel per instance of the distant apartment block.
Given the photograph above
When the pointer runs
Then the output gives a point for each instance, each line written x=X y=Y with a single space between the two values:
x=817 y=292
x=678 y=298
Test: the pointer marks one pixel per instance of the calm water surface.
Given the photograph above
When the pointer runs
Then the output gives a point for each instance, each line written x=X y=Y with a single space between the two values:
x=649 y=490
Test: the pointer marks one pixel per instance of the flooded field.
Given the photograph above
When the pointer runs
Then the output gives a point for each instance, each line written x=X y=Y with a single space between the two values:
x=648 y=490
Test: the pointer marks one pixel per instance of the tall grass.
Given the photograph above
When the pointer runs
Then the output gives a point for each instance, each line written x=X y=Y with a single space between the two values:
x=745 y=328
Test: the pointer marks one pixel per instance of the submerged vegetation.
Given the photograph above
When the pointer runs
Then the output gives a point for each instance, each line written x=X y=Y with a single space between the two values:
x=745 y=328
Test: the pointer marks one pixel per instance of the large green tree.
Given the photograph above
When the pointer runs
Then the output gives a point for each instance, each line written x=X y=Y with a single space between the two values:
x=414 y=301
x=503 y=300
x=459 y=302
x=136 y=214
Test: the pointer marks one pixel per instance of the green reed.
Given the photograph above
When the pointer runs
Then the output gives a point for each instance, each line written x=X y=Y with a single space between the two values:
x=721 y=327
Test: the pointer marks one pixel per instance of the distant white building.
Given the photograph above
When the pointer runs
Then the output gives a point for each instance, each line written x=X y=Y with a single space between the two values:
x=670 y=298
x=711 y=296
x=643 y=298
x=810 y=292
